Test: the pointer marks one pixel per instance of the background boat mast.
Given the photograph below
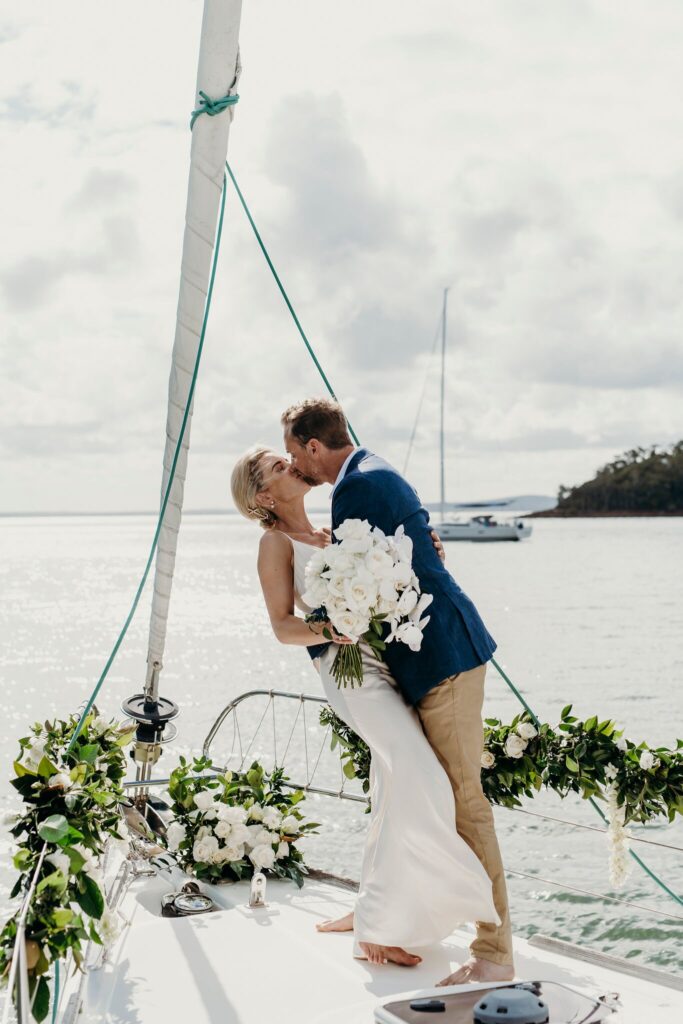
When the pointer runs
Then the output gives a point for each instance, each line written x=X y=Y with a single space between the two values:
x=443 y=385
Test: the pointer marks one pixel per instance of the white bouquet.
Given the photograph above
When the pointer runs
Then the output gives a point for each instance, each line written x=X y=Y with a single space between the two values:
x=364 y=586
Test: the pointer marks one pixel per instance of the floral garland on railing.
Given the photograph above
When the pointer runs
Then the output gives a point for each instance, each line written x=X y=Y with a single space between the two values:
x=229 y=825
x=72 y=803
x=591 y=758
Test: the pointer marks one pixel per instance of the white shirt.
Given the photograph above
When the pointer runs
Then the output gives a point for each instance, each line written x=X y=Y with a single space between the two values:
x=343 y=469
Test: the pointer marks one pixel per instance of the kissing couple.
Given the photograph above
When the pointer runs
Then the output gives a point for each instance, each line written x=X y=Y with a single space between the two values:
x=431 y=859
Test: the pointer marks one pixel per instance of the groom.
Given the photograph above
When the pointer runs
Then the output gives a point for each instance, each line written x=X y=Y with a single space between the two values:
x=444 y=680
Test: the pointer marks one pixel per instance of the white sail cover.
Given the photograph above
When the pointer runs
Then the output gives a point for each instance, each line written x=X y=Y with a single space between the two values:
x=217 y=76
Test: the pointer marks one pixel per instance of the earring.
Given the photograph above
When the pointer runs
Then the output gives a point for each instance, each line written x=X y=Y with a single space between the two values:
x=272 y=504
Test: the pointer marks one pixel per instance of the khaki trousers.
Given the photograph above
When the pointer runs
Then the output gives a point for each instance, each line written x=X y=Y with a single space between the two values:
x=452 y=722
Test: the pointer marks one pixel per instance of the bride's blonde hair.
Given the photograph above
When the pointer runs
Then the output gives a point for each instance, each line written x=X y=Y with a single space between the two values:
x=245 y=483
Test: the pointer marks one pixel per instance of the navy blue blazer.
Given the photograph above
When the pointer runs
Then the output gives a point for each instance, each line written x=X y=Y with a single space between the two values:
x=455 y=639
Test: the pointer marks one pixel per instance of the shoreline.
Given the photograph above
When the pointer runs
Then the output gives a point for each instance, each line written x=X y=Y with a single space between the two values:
x=556 y=514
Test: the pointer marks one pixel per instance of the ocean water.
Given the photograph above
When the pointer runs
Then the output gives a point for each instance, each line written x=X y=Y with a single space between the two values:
x=587 y=611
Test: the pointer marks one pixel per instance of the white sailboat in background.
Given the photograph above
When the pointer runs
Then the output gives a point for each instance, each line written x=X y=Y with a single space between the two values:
x=255 y=964
x=483 y=527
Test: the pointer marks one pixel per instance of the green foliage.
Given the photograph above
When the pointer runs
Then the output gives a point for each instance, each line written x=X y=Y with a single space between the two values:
x=522 y=757
x=254 y=793
x=639 y=481
x=71 y=799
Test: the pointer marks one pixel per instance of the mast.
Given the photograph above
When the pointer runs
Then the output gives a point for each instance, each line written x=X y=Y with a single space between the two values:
x=443 y=386
x=217 y=75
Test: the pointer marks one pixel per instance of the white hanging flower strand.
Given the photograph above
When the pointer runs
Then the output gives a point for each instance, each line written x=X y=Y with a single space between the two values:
x=618 y=836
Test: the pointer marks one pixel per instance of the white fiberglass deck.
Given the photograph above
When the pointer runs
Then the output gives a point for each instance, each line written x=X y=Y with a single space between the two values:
x=240 y=966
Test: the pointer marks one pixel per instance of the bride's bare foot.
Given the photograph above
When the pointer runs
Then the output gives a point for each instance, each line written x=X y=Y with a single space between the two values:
x=342 y=924
x=389 y=954
x=475 y=969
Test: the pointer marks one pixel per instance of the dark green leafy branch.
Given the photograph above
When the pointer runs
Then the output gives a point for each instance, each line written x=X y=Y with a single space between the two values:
x=520 y=759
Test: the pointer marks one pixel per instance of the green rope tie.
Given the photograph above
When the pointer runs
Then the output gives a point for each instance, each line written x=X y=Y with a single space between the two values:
x=212 y=107
x=320 y=370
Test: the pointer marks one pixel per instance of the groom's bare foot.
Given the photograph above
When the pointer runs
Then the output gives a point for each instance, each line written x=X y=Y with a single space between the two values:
x=342 y=924
x=475 y=969
x=389 y=954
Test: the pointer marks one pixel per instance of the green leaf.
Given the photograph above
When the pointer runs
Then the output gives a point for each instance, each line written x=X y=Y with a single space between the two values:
x=41 y=1003
x=21 y=769
x=22 y=859
x=55 y=880
x=571 y=764
x=62 y=916
x=90 y=897
x=349 y=770
x=54 y=828
x=88 y=752
x=565 y=711
x=591 y=723
x=46 y=767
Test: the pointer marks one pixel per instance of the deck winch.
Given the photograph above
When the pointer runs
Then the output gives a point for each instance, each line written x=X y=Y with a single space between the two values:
x=153 y=715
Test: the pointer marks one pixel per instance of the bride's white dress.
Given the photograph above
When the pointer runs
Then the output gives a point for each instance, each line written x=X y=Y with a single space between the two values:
x=419 y=880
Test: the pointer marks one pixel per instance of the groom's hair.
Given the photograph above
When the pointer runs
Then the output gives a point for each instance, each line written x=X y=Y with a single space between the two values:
x=321 y=418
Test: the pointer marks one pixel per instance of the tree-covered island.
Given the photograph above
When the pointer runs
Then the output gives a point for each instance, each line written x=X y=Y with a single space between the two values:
x=641 y=482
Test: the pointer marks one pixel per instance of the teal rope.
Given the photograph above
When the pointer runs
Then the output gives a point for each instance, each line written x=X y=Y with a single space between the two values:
x=591 y=801
x=320 y=370
x=174 y=464
x=212 y=107
x=290 y=307
x=55 y=995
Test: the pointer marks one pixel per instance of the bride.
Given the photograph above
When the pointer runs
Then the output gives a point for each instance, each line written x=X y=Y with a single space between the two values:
x=419 y=879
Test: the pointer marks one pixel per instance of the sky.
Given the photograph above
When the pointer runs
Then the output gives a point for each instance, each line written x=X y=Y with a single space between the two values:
x=527 y=154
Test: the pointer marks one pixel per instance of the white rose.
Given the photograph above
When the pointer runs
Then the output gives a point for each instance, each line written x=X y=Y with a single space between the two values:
x=256 y=812
x=175 y=834
x=204 y=800
x=316 y=564
x=349 y=623
x=289 y=825
x=205 y=850
x=353 y=529
x=231 y=853
x=202 y=831
x=108 y=926
x=515 y=745
x=60 y=779
x=60 y=861
x=272 y=817
x=647 y=760
x=407 y=602
x=336 y=588
x=233 y=815
x=315 y=595
x=379 y=563
x=33 y=754
x=223 y=829
x=340 y=562
x=361 y=595
x=239 y=834
x=258 y=835
x=99 y=725
x=526 y=730
x=621 y=744
x=487 y=759
x=262 y=856
x=282 y=851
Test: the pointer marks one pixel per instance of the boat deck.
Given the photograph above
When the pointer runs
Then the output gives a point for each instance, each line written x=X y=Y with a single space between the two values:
x=243 y=966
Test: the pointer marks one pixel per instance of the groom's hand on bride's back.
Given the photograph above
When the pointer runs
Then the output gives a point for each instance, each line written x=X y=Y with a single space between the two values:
x=438 y=546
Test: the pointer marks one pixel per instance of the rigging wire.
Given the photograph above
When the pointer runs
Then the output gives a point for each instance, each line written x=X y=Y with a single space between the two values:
x=424 y=391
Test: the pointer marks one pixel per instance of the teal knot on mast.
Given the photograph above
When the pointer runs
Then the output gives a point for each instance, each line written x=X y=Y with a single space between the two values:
x=212 y=107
